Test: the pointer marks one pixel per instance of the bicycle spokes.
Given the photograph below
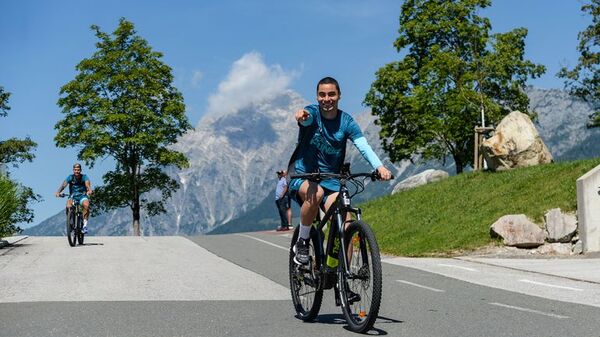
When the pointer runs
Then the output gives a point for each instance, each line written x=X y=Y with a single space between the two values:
x=361 y=284
x=305 y=281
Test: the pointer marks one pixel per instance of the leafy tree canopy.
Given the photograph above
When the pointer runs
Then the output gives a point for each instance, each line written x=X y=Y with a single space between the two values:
x=122 y=104
x=452 y=72
x=4 y=102
x=14 y=198
x=13 y=151
x=583 y=80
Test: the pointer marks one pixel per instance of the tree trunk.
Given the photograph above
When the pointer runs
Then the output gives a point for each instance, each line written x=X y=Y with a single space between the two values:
x=137 y=231
x=136 y=217
x=459 y=164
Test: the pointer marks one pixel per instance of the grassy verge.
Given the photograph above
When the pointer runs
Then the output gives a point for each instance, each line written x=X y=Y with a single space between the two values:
x=455 y=214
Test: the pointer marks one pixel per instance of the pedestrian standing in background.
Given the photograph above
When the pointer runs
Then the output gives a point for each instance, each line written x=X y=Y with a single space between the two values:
x=282 y=200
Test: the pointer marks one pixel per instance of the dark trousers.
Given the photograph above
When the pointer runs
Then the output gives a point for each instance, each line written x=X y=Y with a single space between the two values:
x=282 y=206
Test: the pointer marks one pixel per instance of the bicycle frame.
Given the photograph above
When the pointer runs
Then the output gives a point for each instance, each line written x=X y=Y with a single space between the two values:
x=341 y=206
x=76 y=208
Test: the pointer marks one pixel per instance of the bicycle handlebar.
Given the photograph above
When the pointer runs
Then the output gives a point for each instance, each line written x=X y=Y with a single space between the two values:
x=348 y=176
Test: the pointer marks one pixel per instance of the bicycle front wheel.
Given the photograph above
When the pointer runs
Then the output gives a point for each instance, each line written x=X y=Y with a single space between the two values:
x=80 y=234
x=360 y=288
x=71 y=234
x=307 y=293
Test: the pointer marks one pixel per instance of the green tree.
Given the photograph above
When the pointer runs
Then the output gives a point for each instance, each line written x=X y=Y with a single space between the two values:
x=453 y=72
x=14 y=198
x=4 y=102
x=13 y=150
x=122 y=104
x=583 y=80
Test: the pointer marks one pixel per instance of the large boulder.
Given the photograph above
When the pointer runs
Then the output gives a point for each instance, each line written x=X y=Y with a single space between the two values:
x=515 y=143
x=425 y=177
x=560 y=227
x=518 y=231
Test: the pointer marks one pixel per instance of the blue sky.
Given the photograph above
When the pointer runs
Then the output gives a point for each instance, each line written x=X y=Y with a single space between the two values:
x=222 y=51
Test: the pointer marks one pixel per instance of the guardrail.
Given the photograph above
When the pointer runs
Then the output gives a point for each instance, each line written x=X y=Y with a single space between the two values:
x=588 y=210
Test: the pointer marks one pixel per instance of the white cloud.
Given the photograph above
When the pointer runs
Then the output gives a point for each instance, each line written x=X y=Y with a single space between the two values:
x=197 y=76
x=249 y=81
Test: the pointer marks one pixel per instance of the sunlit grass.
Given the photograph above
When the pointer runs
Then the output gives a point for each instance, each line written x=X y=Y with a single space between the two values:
x=455 y=214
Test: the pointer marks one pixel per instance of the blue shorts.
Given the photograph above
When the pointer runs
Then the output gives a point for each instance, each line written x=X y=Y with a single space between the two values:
x=79 y=198
x=326 y=185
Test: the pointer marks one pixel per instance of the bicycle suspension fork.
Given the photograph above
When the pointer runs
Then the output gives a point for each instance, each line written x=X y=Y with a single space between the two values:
x=345 y=204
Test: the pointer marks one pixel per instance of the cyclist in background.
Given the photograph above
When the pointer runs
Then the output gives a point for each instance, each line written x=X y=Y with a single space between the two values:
x=79 y=189
x=324 y=130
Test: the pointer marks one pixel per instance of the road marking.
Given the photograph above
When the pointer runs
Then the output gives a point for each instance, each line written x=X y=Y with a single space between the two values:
x=263 y=241
x=550 y=285
x=528 y=310
x=421 y=286
x=459 y=267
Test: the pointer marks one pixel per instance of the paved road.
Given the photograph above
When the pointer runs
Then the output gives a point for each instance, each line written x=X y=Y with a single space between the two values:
x=237 y=285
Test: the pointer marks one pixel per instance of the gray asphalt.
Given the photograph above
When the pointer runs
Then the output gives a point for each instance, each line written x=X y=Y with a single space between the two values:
x=422 y=297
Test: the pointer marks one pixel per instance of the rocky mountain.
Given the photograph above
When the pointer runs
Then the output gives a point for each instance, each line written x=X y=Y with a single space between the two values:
x=230 y=184
x=562 y=124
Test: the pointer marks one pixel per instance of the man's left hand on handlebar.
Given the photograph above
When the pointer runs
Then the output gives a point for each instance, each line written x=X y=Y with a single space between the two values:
x=384 y=173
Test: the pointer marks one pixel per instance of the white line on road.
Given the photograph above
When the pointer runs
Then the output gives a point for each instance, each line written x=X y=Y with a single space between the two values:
x=550 y=285
x=421 y=286
x=459 y=267
x=263 y=241
x=528 y=310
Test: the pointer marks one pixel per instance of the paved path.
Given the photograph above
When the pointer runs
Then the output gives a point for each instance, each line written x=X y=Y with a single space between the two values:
x=237 y=285
x=126 y=269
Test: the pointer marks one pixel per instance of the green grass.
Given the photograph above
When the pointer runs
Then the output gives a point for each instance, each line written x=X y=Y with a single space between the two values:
x=455 y=215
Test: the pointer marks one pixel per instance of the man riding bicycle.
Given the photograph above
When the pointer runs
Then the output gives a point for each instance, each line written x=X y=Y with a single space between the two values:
x=324 y=130
x=79 y=189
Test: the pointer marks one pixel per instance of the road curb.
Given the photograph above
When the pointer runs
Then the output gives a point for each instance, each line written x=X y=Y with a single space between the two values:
x=5 y=242
x=525 y=270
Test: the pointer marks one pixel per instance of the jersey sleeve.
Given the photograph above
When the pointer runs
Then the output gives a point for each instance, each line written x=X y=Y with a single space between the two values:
x=69 y=178
x=358 y=139
x=367 y=152
x=352 y=129
x=312 y=110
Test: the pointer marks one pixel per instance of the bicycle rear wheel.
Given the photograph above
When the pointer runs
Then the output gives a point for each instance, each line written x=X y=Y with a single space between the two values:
x=71 y=234
x=307 y=294
x=364 y=278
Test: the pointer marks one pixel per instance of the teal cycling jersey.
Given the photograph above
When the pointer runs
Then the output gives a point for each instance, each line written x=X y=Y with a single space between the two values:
x=77 y=185
x=322 y=144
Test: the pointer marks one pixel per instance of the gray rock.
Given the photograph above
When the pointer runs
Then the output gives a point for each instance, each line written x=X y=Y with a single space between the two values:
x=515 y=143
x=425 y=177
x=578 y=247
x=555 y=249
x=518 y=231
x=560 y=227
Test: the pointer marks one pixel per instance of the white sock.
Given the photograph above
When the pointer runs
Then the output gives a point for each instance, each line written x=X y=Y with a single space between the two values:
x=305 y=231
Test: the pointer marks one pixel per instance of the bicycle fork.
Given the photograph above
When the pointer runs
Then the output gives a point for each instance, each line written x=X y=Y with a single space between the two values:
x=346 y=207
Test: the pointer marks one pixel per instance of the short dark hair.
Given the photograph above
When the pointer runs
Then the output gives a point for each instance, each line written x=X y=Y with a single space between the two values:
x=76 y=165
x=329 y=80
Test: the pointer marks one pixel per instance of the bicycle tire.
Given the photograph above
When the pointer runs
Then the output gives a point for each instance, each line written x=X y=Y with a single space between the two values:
x=365 y=266
x=71 y=234
x=80 y=234
x=305 y=283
